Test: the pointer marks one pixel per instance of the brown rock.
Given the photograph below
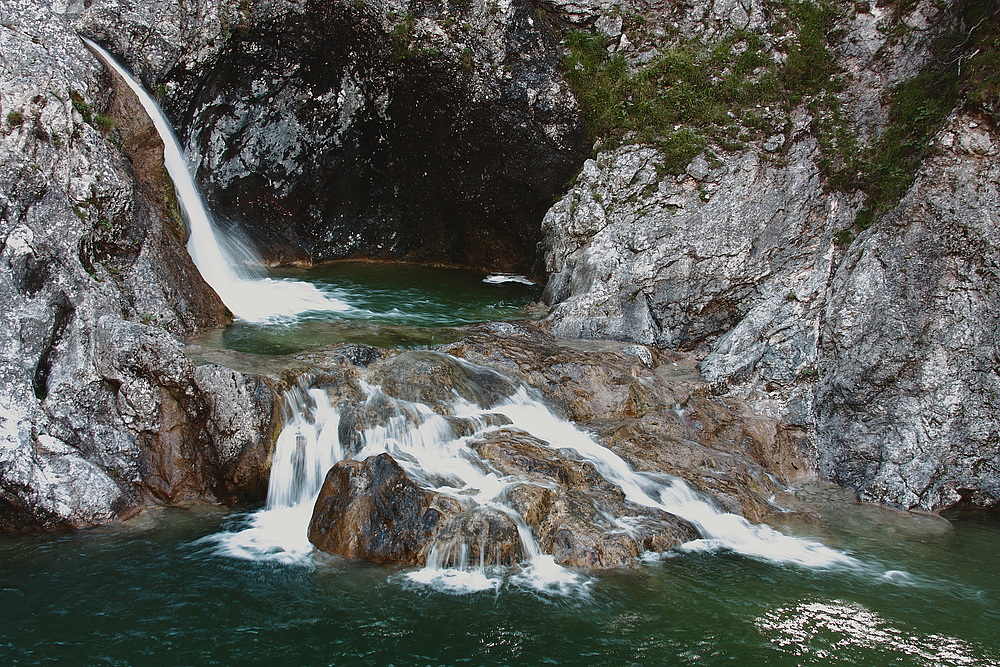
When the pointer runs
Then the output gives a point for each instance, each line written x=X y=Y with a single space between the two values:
x=481 y=536
x=572 y=509
x=371 y=510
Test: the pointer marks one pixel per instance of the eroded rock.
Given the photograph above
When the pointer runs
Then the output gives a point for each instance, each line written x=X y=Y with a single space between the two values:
x=908 y=399
x=576 y=514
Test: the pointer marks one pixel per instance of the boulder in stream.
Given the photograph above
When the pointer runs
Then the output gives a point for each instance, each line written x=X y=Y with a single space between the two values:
x=371 y=510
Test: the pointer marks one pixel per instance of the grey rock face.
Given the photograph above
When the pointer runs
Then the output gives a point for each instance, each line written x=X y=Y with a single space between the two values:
x=881 y=353
x=909 y=394
x=100 y=413
x=399 y=131
x=679 y=262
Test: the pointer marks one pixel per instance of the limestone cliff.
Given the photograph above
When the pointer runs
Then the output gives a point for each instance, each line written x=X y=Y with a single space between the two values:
x=751 y=251
x=100 y=413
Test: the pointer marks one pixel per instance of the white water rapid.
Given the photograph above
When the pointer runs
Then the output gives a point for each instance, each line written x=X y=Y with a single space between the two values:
x=230 y=268
x=436 y=456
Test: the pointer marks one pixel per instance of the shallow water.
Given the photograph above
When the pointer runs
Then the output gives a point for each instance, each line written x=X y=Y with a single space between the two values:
x=152 y=593
x=387 y=305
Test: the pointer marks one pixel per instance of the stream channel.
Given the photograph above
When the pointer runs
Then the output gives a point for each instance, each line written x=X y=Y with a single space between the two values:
x=850 y=584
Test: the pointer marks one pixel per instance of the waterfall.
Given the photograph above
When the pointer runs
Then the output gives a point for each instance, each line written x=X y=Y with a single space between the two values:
x=436 y=454
x=230 y=268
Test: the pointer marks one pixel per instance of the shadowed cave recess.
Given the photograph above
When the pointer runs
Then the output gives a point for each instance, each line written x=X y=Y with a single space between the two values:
x=340 y=130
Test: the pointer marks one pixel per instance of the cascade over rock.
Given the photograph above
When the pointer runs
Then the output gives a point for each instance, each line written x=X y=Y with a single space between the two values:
x=446 y=475
x=655 y=411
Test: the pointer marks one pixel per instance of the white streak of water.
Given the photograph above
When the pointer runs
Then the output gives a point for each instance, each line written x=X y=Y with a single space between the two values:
x=719 y=529
x=247 y=293
x=500 y=278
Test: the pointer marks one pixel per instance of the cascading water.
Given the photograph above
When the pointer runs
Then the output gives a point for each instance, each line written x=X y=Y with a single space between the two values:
x=437 y=456
x=230 y=268
x=423 y=441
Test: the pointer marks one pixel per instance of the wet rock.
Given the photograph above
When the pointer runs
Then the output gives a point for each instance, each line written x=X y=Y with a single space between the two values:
x=479 y=537
x=660 y=417
x=371 y=510
x=576 y=514
x=436 y=379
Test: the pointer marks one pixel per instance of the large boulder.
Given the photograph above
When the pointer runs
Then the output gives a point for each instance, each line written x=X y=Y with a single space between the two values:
x=371 y=510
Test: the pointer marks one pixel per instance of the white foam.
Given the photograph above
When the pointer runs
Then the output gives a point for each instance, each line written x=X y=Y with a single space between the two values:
x=501 y=278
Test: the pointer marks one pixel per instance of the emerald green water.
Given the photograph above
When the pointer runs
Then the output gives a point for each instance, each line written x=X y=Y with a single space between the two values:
x=160 y=591
x=151 y=593
x=387 y=305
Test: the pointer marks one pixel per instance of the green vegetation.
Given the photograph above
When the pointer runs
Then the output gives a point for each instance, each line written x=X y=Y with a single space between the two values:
x=83 y=108
x=686 y=95
x=965 y=70
x=402 y=36
x=15 y=118
x=693 y=94
x=809 y=66
x=104 y=123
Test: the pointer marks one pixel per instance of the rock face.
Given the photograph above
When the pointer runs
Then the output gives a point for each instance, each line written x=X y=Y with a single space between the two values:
x=909 y=390
x=100 y=413
x=876 y=351
x=389 y=130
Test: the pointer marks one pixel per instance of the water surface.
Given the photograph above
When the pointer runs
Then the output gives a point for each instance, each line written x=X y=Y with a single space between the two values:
x=153 y=593
x=386 y=305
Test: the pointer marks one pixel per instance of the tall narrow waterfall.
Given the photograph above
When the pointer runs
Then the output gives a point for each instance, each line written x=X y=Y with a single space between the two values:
x=230 y=269
x=438 y=455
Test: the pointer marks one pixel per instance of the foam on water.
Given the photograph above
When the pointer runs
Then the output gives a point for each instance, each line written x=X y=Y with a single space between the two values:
x=501 y=278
